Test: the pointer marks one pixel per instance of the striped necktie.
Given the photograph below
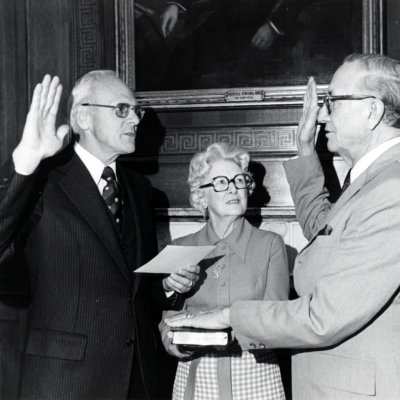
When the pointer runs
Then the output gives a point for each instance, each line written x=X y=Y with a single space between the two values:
x=112 y=194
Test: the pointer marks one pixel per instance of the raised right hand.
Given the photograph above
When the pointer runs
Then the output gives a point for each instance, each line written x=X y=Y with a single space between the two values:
x=308 y=122
x=40 y=138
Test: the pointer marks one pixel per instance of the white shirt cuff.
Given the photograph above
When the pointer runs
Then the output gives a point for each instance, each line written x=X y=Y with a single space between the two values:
x=25 y=161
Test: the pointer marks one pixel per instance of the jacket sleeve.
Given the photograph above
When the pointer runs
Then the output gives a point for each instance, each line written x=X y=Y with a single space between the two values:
x=363 y=279
x=16 y=204
x=310 y=196
x=277 y=287
x=159 y=297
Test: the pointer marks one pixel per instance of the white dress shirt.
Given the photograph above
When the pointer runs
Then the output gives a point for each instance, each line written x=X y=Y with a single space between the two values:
x=94 y=166
x=364 y=162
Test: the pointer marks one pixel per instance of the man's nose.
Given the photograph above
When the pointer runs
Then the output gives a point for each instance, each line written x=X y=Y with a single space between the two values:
x=323 y=115
x=133 y=117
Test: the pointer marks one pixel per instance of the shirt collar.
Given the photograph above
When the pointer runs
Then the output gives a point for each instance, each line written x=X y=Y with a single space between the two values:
x=92 y=163
x=364 y=162
x=237 y=240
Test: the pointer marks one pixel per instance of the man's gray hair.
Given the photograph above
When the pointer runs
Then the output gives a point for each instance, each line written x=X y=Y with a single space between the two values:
x=84 y=89
x=382 y=79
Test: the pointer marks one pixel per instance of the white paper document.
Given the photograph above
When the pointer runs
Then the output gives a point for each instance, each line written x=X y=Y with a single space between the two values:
x=173 y=258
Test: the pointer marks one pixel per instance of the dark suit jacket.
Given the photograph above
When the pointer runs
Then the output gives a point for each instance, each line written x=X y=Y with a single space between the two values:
x=90 y=319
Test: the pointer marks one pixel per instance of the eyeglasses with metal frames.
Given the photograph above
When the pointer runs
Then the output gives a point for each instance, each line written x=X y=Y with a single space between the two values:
x=221 y=183
x=329 y=99
x=121 y=109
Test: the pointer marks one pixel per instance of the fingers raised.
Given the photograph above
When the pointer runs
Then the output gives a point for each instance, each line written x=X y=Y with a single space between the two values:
x=53 y=96
x=45 y=90
x=56 y=100
x=37 y=93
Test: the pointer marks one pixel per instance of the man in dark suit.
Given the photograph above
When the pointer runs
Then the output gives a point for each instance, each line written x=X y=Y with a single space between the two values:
x=90 y=324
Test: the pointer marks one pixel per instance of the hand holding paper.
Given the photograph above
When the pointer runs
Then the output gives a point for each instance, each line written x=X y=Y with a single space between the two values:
x=183 y=280
x=173 y=258
x=181 y=263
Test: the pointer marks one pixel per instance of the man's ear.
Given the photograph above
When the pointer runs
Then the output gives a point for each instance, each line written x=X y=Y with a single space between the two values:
x=377 y=110
x=83 y=118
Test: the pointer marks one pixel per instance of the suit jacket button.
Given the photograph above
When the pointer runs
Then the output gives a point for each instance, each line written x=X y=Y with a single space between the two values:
x=252 y=346
x=130 y=342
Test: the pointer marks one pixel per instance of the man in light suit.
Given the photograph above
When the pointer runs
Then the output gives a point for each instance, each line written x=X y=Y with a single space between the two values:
x=345 y=325
x=92 y=323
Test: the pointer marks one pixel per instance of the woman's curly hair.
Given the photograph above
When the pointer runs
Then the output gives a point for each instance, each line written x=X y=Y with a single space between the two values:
x=201 y=164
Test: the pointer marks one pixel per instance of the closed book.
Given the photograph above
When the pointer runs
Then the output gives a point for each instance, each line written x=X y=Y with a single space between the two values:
x=201 y=337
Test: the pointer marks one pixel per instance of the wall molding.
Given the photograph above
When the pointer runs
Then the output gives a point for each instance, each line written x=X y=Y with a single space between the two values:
x=87 y=43
x=253 y=139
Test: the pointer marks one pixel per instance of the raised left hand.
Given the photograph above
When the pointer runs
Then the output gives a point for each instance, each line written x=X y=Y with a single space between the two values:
x=213 y=319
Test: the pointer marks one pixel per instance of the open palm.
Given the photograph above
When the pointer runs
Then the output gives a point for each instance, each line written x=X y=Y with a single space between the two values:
x=40 y=134
x=308 y=122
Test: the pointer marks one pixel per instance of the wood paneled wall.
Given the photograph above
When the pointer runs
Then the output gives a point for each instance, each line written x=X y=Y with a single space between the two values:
x=60 y=37
x=13 y=74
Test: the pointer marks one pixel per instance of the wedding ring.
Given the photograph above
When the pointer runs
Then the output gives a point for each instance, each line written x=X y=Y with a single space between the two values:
x=189 y=315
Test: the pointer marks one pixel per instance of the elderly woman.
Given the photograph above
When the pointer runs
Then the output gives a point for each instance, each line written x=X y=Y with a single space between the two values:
x=247 y=264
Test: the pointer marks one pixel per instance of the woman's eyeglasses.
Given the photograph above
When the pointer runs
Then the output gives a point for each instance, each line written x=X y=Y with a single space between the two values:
x=121 y=109
x=221 y=183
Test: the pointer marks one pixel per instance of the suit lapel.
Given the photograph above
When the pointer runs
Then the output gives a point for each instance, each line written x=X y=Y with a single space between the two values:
x=132 y=189
x=382 y=162
x=378 y=165
x=79 y=186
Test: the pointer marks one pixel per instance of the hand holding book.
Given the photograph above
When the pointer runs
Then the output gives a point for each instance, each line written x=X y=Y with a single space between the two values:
x=217 y=318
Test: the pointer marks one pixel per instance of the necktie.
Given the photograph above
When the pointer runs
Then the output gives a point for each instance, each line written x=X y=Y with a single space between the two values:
x=346 y=182
x=112 y=194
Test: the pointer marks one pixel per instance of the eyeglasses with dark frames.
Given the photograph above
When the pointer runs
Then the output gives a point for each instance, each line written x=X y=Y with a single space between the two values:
x=328 y=100
x=221 y=183
x=121 y=109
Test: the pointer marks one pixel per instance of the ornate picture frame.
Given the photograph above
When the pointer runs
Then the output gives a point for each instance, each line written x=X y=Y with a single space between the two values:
x=232 y=97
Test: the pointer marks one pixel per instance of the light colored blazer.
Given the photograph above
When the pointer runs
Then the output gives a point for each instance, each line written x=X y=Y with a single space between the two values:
x=345 y=326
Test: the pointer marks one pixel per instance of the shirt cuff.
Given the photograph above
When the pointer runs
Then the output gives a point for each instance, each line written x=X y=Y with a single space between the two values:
x=169 y=293
x=275 y=28
x=25 y=161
